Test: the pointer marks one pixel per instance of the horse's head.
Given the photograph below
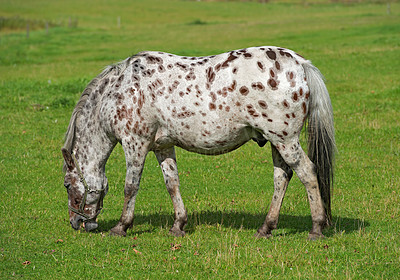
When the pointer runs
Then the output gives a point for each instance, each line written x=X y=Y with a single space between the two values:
x=85 y=193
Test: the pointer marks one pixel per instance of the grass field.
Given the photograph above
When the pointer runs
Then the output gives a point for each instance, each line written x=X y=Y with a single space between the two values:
x=356 y=46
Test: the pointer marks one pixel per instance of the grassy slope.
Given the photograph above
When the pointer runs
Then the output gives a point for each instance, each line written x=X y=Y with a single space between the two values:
x=355 y=46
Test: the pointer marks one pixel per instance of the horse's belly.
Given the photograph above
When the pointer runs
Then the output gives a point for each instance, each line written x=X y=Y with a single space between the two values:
x=213 y=144
x=209 y=140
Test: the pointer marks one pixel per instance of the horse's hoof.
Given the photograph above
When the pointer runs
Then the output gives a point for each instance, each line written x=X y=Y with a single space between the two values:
x=262 y=235
x=177 y=232
x=117 y=232
x=315 y=236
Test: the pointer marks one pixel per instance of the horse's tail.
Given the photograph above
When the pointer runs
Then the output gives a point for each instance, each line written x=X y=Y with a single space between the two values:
x=321 y=134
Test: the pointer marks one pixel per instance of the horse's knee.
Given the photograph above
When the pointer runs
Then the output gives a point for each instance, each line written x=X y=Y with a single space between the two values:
x=282 y=174
x=169 y=168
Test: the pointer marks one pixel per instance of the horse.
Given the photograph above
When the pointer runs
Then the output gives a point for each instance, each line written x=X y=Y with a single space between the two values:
x=154 y=101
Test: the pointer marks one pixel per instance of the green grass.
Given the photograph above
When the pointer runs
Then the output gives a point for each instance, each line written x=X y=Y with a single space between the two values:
x=357 y=48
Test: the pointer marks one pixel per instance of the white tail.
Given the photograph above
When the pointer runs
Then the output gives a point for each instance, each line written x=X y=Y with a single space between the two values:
x=321 y=134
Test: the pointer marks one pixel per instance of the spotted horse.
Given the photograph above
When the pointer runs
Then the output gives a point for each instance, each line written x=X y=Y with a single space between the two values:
x=210 y=105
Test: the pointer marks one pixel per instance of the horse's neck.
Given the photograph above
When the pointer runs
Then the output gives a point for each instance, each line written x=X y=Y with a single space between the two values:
x=92 y=146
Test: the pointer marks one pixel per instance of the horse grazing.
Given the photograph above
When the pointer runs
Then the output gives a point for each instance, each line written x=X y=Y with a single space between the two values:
x=210 y=105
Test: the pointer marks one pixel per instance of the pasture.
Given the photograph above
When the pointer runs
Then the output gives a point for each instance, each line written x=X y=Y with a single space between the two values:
x=355 y=45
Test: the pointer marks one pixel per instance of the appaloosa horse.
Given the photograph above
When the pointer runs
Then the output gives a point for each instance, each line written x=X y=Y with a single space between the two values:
x=210 y=105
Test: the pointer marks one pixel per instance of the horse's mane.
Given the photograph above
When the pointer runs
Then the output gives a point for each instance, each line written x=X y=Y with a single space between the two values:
x=115 y=70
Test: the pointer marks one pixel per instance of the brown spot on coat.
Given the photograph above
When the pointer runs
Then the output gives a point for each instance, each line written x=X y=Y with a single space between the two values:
x=153 y=59
x=271 y=54
x=161 y=68
x=258 y=86
x=248 y=55
x=149 y=73
x=182 y=66
x=283 y=53
x=244 y=90
x=210 y=75
x=261 y=66
x=290 y=77
x=272 y=73
x=304 y=106
x=295 y=97
x=273 y=84
x=252 y=112
x=232 y=86
x=230 y=58
x=285 y=104
x=213 y=97
x=185 y=114
x=277 y=65
x=262 y=104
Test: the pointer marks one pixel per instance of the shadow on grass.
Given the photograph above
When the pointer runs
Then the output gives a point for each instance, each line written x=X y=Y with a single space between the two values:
x=229 y=219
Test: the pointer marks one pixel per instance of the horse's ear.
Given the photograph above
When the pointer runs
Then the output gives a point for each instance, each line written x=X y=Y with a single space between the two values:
x=68 y=159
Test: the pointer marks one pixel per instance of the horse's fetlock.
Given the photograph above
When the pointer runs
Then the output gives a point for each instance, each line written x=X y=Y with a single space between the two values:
x=176 y=231
x=118 y=231
x=315 y=236
x=272 y=224
x=263 y=232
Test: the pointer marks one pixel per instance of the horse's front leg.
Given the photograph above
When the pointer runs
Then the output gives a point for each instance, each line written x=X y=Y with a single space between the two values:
x=282 y=175
x=167 y=160
x=134 y=166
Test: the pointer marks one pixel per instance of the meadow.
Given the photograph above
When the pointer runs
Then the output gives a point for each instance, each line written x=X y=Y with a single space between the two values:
x=356 y=45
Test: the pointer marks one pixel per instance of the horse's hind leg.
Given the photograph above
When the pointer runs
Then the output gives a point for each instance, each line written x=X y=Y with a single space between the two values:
x=282 y=176
x=167 y=160
x=135 y=155
x=296 y=158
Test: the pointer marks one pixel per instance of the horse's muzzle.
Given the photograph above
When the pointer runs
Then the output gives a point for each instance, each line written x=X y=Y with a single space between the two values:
x=88 y=225
x=91 y=225
x=76 y=222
